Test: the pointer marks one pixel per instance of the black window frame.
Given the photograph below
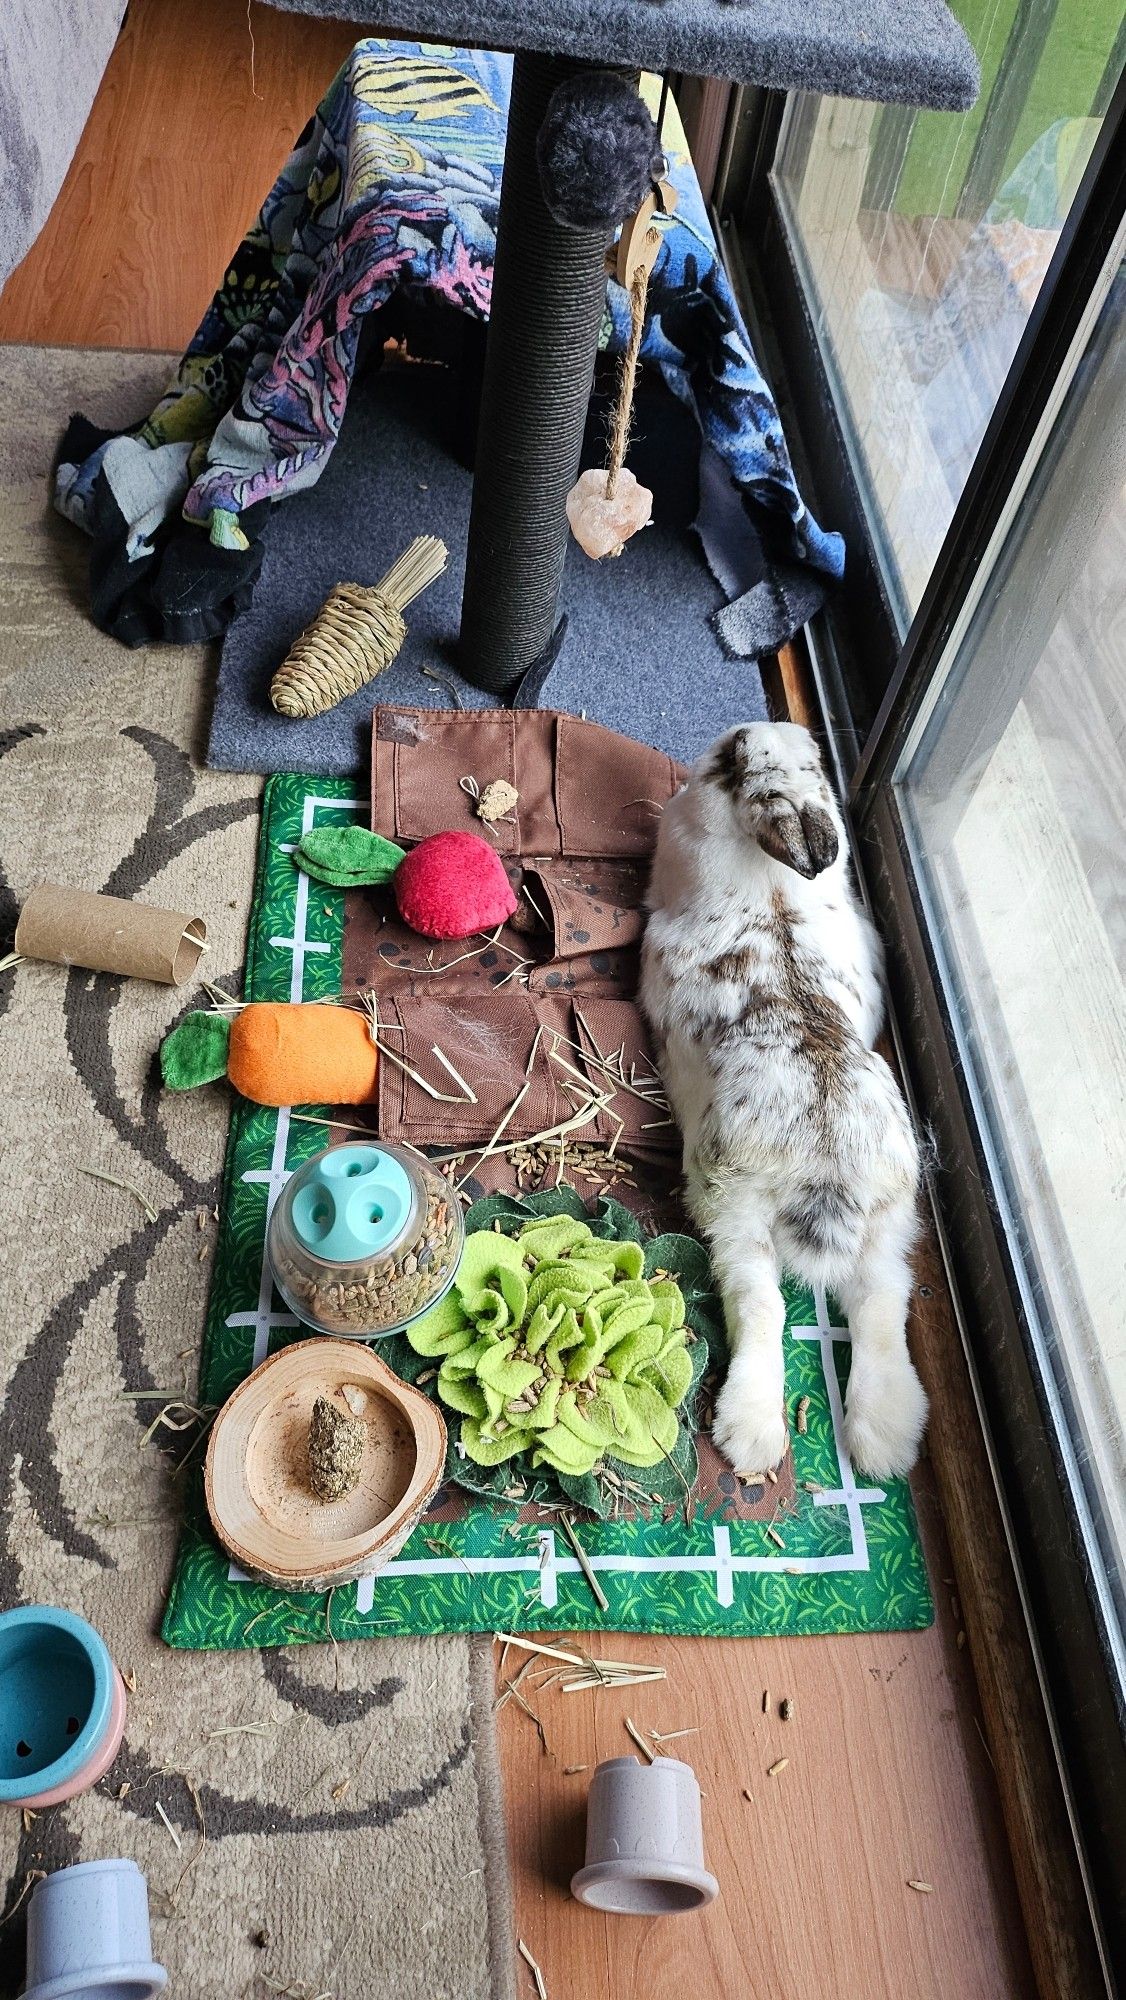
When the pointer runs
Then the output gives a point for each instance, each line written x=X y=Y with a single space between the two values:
x=871 y=686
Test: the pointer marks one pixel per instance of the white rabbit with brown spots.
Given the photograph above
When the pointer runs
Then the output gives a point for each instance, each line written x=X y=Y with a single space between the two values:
x=761 y=981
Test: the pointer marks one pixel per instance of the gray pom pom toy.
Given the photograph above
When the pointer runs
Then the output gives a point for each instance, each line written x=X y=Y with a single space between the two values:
x=598 y=151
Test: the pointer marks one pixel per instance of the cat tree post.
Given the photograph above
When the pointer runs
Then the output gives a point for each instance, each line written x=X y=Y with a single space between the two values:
x=548 y=283
x=549 y=290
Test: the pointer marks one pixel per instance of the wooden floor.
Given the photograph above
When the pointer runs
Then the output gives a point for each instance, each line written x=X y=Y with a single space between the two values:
x=887 y=1782
x=888 y=1779
x=197 y=111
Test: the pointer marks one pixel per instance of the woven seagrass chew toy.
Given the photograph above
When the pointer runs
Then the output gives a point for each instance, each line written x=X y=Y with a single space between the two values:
x=355 y=635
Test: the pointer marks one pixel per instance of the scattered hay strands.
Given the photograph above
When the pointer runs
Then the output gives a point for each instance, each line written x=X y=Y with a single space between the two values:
x=175 y=1414
x=537 y=1975
x=112 y=1180
x=172 y=1830
x=243 y=1729
x=592 y=1673
x=600 y=1676
x=583 y=1560
x=510 y=1688
x=632 y=1729
x=201 y=1843
x=33 y=1875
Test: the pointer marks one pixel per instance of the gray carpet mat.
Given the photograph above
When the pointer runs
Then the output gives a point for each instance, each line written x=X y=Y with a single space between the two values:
x=640 y=654
x=902 y=51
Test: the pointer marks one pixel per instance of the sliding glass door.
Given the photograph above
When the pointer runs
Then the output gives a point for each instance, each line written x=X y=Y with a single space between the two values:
x=942 y=303
x=1011 y=793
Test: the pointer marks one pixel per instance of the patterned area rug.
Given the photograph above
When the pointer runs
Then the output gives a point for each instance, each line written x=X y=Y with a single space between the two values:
x=292 y=1781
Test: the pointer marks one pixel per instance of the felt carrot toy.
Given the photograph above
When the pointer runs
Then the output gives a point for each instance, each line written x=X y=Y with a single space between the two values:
x=276 y=1053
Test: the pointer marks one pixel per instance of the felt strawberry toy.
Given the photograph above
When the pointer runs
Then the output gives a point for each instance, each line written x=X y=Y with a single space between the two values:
x=451 y=885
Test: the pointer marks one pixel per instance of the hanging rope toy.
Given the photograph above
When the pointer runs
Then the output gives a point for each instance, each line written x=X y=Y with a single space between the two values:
x=355 y=635
x=605 y=507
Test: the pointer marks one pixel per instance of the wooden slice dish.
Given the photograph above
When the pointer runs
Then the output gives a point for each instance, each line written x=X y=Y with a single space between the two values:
x=256 y=1480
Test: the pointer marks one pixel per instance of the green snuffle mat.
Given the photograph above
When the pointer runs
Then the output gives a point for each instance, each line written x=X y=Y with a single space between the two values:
x=851 y=1559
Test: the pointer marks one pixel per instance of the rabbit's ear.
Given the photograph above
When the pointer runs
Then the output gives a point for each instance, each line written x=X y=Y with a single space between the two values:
x=821 y=837
x=800 y=837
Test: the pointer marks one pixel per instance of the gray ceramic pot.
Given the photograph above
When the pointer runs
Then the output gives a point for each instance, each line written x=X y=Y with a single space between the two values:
x=88 y=1935
x=644 y=1841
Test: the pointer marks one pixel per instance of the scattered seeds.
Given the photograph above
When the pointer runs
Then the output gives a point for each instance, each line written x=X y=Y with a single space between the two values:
x=921 y=1888
x=772 y=1476
x=124 y=1790
x=779 y=1764
x=129 y=1676
x=338 y=1791
x=766 y=1701
x=749 y=1796
x=801 y=1415
x=786 y=1709
x=572 y=1770
x=960 y=1641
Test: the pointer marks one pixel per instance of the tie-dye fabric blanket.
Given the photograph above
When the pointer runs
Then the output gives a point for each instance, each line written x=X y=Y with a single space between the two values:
x=392 y=188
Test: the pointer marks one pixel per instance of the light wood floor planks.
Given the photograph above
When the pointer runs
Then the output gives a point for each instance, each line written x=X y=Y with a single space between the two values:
x=888 y=1778
x=186 y=135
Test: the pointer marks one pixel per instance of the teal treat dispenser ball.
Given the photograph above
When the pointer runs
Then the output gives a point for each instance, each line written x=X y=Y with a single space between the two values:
x=364 y=1238
x=356 y=1201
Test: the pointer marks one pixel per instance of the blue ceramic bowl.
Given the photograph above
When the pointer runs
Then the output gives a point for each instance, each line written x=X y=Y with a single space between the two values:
x=62 y=1705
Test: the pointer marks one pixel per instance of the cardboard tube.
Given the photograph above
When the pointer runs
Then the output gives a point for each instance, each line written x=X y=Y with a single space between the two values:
x=106 y=934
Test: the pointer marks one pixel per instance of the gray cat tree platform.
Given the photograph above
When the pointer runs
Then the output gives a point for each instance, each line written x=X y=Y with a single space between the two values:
x=549 y=280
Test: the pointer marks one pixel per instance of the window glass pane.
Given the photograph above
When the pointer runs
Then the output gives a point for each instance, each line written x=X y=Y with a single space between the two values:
x=1012 y=801
x=923 y=238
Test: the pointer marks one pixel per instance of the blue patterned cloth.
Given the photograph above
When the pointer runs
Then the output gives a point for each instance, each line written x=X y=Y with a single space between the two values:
x=393 y=187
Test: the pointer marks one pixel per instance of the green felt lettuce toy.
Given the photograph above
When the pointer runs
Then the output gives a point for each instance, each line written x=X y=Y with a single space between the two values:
x=561 y=1355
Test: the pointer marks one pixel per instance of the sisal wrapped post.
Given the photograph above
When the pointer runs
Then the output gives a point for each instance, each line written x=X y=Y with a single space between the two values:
x=355 y=635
